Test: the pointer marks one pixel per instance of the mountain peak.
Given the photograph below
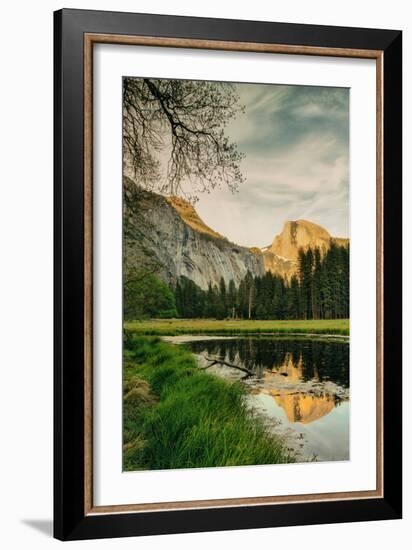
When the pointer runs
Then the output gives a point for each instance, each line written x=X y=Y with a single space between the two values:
x=300 y=234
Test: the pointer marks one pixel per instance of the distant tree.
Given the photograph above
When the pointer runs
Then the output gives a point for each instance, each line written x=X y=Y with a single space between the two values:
x=319 y=290
x=326 y=288
x=279 y=304
x=179 y=298
x=345 y=255
x=316 y=285
x=249 y=295
x=210 y=302
x=293 y=300
x=222 y=303
x=190 y=299
x=146 y=296
x=305 y=262
x=231 y=299
x=180 y=124
x=261 y=312
x=264 y=295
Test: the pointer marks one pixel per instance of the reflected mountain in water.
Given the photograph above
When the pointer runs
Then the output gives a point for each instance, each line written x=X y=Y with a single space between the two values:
x=297 y=360
x=305 y=408
x=305 y=379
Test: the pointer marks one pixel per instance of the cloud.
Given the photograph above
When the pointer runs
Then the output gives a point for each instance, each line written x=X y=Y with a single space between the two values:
x=296 y=140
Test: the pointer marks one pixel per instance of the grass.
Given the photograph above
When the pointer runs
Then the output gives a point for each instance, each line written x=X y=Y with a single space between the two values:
x=173 y=327
x=177 y=416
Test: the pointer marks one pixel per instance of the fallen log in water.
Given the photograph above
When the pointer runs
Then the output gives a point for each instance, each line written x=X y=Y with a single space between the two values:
x=219 y=361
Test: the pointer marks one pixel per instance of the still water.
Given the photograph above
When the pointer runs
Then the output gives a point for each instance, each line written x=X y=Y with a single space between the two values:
x=300 y=386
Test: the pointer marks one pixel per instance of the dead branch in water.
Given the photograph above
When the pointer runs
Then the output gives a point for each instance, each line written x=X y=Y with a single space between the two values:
x=218 y=361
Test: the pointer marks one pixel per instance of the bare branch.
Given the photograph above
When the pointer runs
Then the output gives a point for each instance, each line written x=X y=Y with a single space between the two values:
x=180 y=126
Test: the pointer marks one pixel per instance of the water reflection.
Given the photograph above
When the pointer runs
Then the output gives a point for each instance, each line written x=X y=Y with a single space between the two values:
x=299 y=360
x=301 y=385
x=305 y=408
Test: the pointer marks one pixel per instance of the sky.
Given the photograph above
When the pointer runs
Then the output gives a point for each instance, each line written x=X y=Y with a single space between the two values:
x=296 y=141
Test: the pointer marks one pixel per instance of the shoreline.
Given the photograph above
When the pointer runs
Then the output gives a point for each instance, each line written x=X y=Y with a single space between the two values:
x=183 y=338
x=177 y=416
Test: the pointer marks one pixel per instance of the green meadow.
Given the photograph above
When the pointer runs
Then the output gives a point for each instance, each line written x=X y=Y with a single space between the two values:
x=172 y=327
x=178 y=416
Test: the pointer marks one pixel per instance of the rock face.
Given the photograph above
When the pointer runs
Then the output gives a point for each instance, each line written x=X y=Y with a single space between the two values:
x=278 y=265
x=191 y=217
x=281 y=256
x=305 y=408
x=166 y=236
x=300 y=234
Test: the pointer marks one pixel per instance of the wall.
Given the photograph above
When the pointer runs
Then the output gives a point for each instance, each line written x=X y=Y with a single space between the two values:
x=26 y=271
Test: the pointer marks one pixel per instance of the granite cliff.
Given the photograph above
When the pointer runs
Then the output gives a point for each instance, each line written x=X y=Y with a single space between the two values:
x=281 y=256
x=165 y=235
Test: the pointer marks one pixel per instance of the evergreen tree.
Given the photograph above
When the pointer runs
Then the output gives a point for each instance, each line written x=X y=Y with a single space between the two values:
x=319 y=290
x=305 y=259
x=293 y=299
x=231 y=299
x=316 y=285
x=222 y=302
x=250 y=294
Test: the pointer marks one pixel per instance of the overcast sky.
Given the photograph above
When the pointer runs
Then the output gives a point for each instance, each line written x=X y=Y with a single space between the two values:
x=296 y=140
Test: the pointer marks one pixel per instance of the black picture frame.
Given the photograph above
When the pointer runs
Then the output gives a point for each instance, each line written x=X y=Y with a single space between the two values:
x=71 y=522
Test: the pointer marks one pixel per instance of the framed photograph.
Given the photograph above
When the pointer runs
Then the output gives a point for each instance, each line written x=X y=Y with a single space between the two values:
x=227 y=274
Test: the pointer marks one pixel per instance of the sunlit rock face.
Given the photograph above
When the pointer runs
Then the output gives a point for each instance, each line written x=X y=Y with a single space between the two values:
x=300 y=234
x=166 y=236
x=302 y=400
x=278 y=265
x=191 y=217
x=305 y=408
x=292 y=368
x=282 y=255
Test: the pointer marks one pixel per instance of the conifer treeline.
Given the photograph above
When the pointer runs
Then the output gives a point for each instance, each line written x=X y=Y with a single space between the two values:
x=320 y=290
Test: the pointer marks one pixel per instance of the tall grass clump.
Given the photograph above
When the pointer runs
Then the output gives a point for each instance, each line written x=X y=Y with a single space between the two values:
x=177 y=416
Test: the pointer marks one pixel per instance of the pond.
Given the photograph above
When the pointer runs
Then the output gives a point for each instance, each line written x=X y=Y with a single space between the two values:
x=300 y=386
